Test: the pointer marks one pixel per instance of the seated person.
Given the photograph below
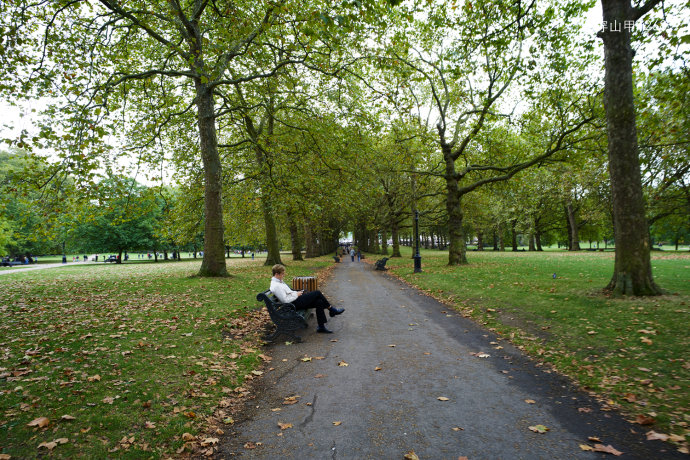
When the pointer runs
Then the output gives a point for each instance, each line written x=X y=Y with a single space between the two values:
x=302 y=300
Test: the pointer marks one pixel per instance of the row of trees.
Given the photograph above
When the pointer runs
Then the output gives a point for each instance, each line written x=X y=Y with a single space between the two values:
x=305 y=118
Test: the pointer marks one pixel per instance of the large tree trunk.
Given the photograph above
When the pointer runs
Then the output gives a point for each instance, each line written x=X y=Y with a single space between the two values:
x=457 y=252
x=573 y=230
x=513 y=235
x=632 y=270
x=213 y=263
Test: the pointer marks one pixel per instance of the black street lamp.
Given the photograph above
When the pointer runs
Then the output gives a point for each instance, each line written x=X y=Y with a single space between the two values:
x=417 y=258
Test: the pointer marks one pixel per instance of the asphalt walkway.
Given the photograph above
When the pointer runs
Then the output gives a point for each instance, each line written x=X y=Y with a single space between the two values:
x=404 y=373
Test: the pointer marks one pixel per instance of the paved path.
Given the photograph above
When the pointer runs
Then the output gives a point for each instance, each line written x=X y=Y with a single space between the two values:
x=23 y=268
x=383 y=414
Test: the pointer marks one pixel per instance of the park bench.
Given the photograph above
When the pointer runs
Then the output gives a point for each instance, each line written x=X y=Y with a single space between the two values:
x=381 y=264
x=11 y=263
x=285 y=316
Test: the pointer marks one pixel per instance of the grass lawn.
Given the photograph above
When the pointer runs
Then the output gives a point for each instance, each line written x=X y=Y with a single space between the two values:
x=634 y=353
x=126 y=361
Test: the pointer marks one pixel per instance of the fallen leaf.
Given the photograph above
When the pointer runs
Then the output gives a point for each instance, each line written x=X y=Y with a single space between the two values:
x=457 y=428
x=411 y=456
x=257 y=372
x=586 y=447
x=94 y=378
x=290 y=400
x=594 y=439
x=608 y=449
x=530 y=401
x=284 y=426
x=40 y=422
x=319 y=376
x=187 y=437
x=377 y=368
x=249 y=445
x=337 y=423
x=392 y=345
x=48 y=445
x=443 y=398
x=67 y=417
x=307 y=359
x=482 y=355
x=646 y=340
x=644 y=420
x=654 y=436
x=150 y=425
x=108 y=400
x=538 y=428
x=5 y=457
x=343 y=364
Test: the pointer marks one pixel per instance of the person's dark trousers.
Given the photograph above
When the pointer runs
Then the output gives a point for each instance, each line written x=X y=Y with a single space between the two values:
x=353 y=258
x=313 y=299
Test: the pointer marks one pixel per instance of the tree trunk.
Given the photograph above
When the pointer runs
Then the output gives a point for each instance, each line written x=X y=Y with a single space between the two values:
x=396 y=240
x=375 y=248
x=457 y=252
x=384 y=242
x=480 y=241
x=273 y=246
x=513 y=235
x=531 y=243
x=213 y=263
x=573 y=230
x=295 y=240
x=632 y=270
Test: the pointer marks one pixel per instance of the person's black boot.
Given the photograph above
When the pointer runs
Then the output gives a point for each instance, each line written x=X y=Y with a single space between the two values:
x=323 y=330
x=333 y=311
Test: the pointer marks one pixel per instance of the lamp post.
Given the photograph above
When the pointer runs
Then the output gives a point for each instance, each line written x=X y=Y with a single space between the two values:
x=417 y=258
x=64 y=255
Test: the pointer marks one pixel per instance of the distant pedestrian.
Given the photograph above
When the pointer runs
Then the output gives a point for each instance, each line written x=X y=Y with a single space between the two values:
x=352 y=254
x=359 y=255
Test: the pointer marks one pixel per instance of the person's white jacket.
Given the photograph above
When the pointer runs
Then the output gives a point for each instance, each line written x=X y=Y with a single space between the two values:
x=282 y=291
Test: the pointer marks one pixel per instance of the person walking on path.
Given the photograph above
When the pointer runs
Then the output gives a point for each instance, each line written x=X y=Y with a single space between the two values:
x=359 y=255
x=352 y=254
x=303 y=300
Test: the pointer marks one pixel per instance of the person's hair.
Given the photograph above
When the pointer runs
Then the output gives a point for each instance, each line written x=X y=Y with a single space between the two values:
x=278 y=269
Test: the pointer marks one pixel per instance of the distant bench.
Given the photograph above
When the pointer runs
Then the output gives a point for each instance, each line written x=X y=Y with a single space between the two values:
x=285 y=316
x=12 y=263
x=381 y=264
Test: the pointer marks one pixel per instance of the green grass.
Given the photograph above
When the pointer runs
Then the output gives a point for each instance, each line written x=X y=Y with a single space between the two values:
x=137 y=354
x=633 y=353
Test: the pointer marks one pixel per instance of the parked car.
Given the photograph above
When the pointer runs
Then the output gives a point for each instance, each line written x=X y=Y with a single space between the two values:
x=110 y=259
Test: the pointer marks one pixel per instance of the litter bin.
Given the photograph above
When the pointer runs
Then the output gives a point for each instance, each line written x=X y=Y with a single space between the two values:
x=305 y=283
